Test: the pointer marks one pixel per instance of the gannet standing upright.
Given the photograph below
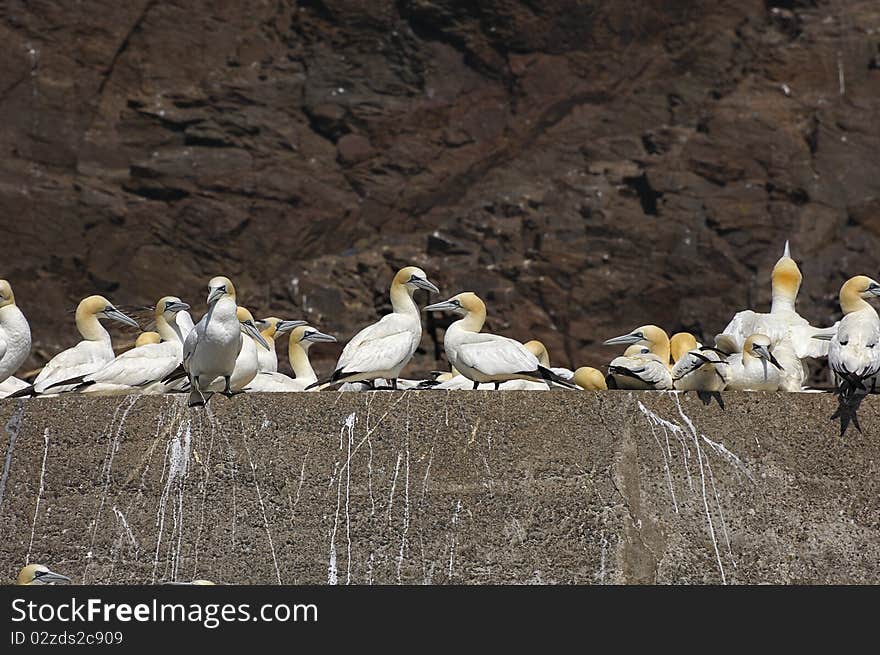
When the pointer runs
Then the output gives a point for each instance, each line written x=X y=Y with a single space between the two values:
x=247 y=364
x=642 y=371
x=88 y=355
x=382 y=349
x=37 y=574
x=15 y=340
x=483 y=357
x=301 y=339
x=790 y=333
x=213 y=345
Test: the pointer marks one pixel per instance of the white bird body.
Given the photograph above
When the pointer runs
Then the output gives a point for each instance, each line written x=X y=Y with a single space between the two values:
x=755 y=368
x=244 y=370
x=302 y=337
x=692 y=371
x=854 y=350
x=640 y=371
x=15 y=333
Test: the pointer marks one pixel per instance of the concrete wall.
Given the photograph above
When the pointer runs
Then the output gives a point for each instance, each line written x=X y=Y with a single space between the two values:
x=441 y=487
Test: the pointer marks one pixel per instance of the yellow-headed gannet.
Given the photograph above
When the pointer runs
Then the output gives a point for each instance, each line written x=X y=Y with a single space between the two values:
x=247 y=364
x=15 y=341
x=540 y=351
x=134 y=370
x=301 y=339
x=640 y=370
x=382 y=349
x=34 y=574
x=483 y=357
x=147 y=338
x=698 y=369
x=589 y=379
x=789 y=332
x=755 y=368
x=86 y=357
x=268 y=358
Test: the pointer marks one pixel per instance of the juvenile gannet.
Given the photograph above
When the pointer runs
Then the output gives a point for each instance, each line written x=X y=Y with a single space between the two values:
x=35 y=574
x=301 y=339
x=639 y=370
x=790 y=333
x=853 y=353
x=755 y=368
x=86 y=357
x=382 y=349
x=149 y=363
x=213 y=345
x=15 y=337
x=698 y=369
x=589 y=379
x=483 y=357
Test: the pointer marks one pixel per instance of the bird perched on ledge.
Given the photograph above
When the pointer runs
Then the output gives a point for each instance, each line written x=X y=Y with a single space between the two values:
x=15 y=340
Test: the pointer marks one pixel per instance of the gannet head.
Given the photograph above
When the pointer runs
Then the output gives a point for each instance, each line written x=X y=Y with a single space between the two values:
x=681 y=344
x=462 y=304
x=636 y=349
x=147 y=338
x=855 y=291
x=648 y=335
x=220 y=287
x=249 y=327
x=589 y=379
x=100 y=307
x=412 y=278
x=287 y=326
x=306 y=335
x=268 y=326
x=759 y=346
x=6 y=295
x=34 y=574
x=786 y=278
x=169 y=306
x=539 y=350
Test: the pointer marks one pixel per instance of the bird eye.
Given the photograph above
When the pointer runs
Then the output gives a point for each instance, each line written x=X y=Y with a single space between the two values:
x=843 y=343
x=456 y=303
x=37 y=574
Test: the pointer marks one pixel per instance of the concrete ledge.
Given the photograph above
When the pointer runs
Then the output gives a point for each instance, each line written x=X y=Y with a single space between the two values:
x=442 y=487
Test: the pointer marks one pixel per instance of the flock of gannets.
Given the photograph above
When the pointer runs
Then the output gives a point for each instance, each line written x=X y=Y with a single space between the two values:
x=230 y=352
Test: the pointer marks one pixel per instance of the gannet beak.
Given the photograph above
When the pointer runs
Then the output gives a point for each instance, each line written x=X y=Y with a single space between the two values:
x=624 y=340
x=50 y=577
x=252 y=330
x=874 y=289
x=765 y=354
x=176 y=307
x=115 y=315
x=215 y=294
x=286 y=326
x=445 y=306
x=320 y=337
x=422 y=283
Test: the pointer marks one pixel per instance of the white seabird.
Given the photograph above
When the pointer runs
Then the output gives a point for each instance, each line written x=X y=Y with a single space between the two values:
x=301 y=339
x=755 y=368
x=698 y=369
x=382 y=349
x=589 y=379
x=640 y=370
x=483 y=357
x=15 y=341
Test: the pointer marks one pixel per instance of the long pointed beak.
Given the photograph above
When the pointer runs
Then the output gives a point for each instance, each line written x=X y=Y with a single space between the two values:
x=320 y=337
x=53 y=578
x=623 y=340
x=426 y=285
x=445 y=306
x=115 y=315
x=287 y=326
x=767 y=356
x=252 y=331
x=215 y=294
x=177 y=307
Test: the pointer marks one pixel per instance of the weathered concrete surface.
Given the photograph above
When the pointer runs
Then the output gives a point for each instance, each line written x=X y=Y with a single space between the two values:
x=430 y=487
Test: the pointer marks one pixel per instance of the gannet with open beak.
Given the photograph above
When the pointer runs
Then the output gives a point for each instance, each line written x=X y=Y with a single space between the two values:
x=212 y=347
x=640 y=370
x=382 y=349
x=589 y=379
x=790 y=333
x=755 y=368
x=134 y=370
x=37 y=574
x=483 y=357
x=15 y=340
x=301 y=339
x=86 y=357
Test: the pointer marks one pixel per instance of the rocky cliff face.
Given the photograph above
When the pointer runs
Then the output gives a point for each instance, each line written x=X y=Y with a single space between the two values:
x=586 y=166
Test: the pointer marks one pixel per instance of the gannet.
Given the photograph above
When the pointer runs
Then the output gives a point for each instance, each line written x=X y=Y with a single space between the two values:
x=35 y=574
x=301 y=339
x=15 y=338
x=147 y=338
x=149 y=363
x=382 y=349
x=540 y=351
x=269 y=328
x=755 y=368
x=589 y=379
x=247 y=364
x=213 y=345
x=483 y=357
x=640 y=370
x=790 y=333
x=698 y=369
x=86 y=357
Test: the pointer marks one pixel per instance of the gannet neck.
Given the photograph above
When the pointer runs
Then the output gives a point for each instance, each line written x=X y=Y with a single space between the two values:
x=539 y=350
x=298 y=356
x=785 y=283
x=87 y=322
x=851 y=293
x=681 y=344
x=166 y=331
x=402 y=299
x=7 y=298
